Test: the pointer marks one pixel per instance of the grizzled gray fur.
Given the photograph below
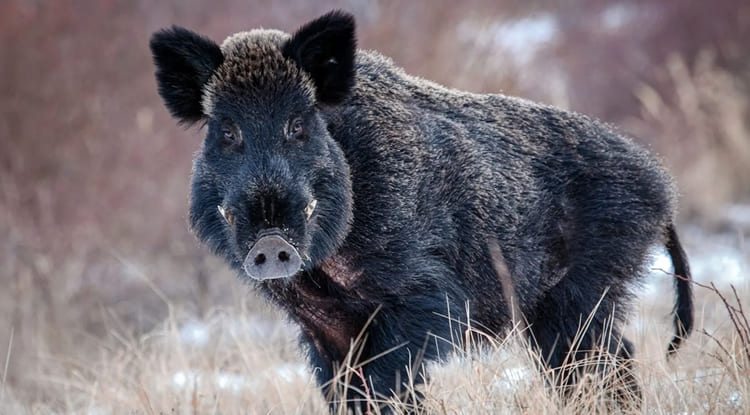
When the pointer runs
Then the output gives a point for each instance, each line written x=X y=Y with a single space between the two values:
x=363 y=200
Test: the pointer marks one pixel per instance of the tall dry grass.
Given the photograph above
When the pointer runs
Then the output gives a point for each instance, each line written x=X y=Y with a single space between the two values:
x=241 y=360
x=702 y=120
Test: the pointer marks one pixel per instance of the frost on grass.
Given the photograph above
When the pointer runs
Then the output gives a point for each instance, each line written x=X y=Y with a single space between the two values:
x=197 y=334
x=232 y=361
x=239 y=382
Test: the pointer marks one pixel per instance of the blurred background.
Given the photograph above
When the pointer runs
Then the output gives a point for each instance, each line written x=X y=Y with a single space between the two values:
x=94 y=173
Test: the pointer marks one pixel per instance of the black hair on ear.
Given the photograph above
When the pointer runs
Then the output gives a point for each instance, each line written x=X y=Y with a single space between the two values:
x=325 y=49
x=184 y=63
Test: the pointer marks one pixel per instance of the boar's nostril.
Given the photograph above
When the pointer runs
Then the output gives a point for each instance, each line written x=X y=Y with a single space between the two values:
x=271 y=257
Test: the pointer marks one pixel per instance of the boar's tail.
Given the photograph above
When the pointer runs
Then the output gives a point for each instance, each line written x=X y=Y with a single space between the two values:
x=683 y=308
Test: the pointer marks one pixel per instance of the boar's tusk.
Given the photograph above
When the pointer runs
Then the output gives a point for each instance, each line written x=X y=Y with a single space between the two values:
x=310 y=208
x=223 y=213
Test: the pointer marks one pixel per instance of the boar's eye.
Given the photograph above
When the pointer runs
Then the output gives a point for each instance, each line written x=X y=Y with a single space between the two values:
x=230 y=135
x=296 y=129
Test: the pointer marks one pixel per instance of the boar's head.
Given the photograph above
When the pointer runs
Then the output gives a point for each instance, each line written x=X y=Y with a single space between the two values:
x=271 y=190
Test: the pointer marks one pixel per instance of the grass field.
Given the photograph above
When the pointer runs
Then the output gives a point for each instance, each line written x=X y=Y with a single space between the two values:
x=239 y=357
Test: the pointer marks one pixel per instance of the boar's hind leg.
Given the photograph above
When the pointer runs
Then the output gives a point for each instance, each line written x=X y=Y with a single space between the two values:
x=614 y=222
x=576 y=335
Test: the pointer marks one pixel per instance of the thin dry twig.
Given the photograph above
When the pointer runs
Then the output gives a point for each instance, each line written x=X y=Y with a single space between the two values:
x=742 y=315
x=736 y=314
x=718 y=343
x=361 y=374
x=7 y=361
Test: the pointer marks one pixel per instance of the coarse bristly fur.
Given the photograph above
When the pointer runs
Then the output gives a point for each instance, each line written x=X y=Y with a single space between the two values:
x=416 y=184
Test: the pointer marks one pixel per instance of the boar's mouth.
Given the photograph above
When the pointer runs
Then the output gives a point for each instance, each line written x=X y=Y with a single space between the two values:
x=272 y=257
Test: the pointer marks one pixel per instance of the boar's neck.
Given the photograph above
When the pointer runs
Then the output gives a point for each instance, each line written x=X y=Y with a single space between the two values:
x=325 y=304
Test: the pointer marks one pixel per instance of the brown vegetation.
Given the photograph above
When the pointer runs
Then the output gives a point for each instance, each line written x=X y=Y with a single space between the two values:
x=100 y=273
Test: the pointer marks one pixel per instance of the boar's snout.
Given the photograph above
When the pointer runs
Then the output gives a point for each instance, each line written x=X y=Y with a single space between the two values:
x=272 y=257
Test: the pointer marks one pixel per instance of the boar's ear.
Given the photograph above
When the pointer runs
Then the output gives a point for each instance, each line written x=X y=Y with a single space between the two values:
x=184 y=63
x=325 y=49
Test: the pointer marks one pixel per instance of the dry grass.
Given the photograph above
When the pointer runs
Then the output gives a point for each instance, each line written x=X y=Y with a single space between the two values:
x=700 y=119
x=241 y=359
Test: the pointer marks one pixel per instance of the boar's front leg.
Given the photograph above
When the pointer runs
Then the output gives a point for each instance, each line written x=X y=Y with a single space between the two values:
x=367 y=351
